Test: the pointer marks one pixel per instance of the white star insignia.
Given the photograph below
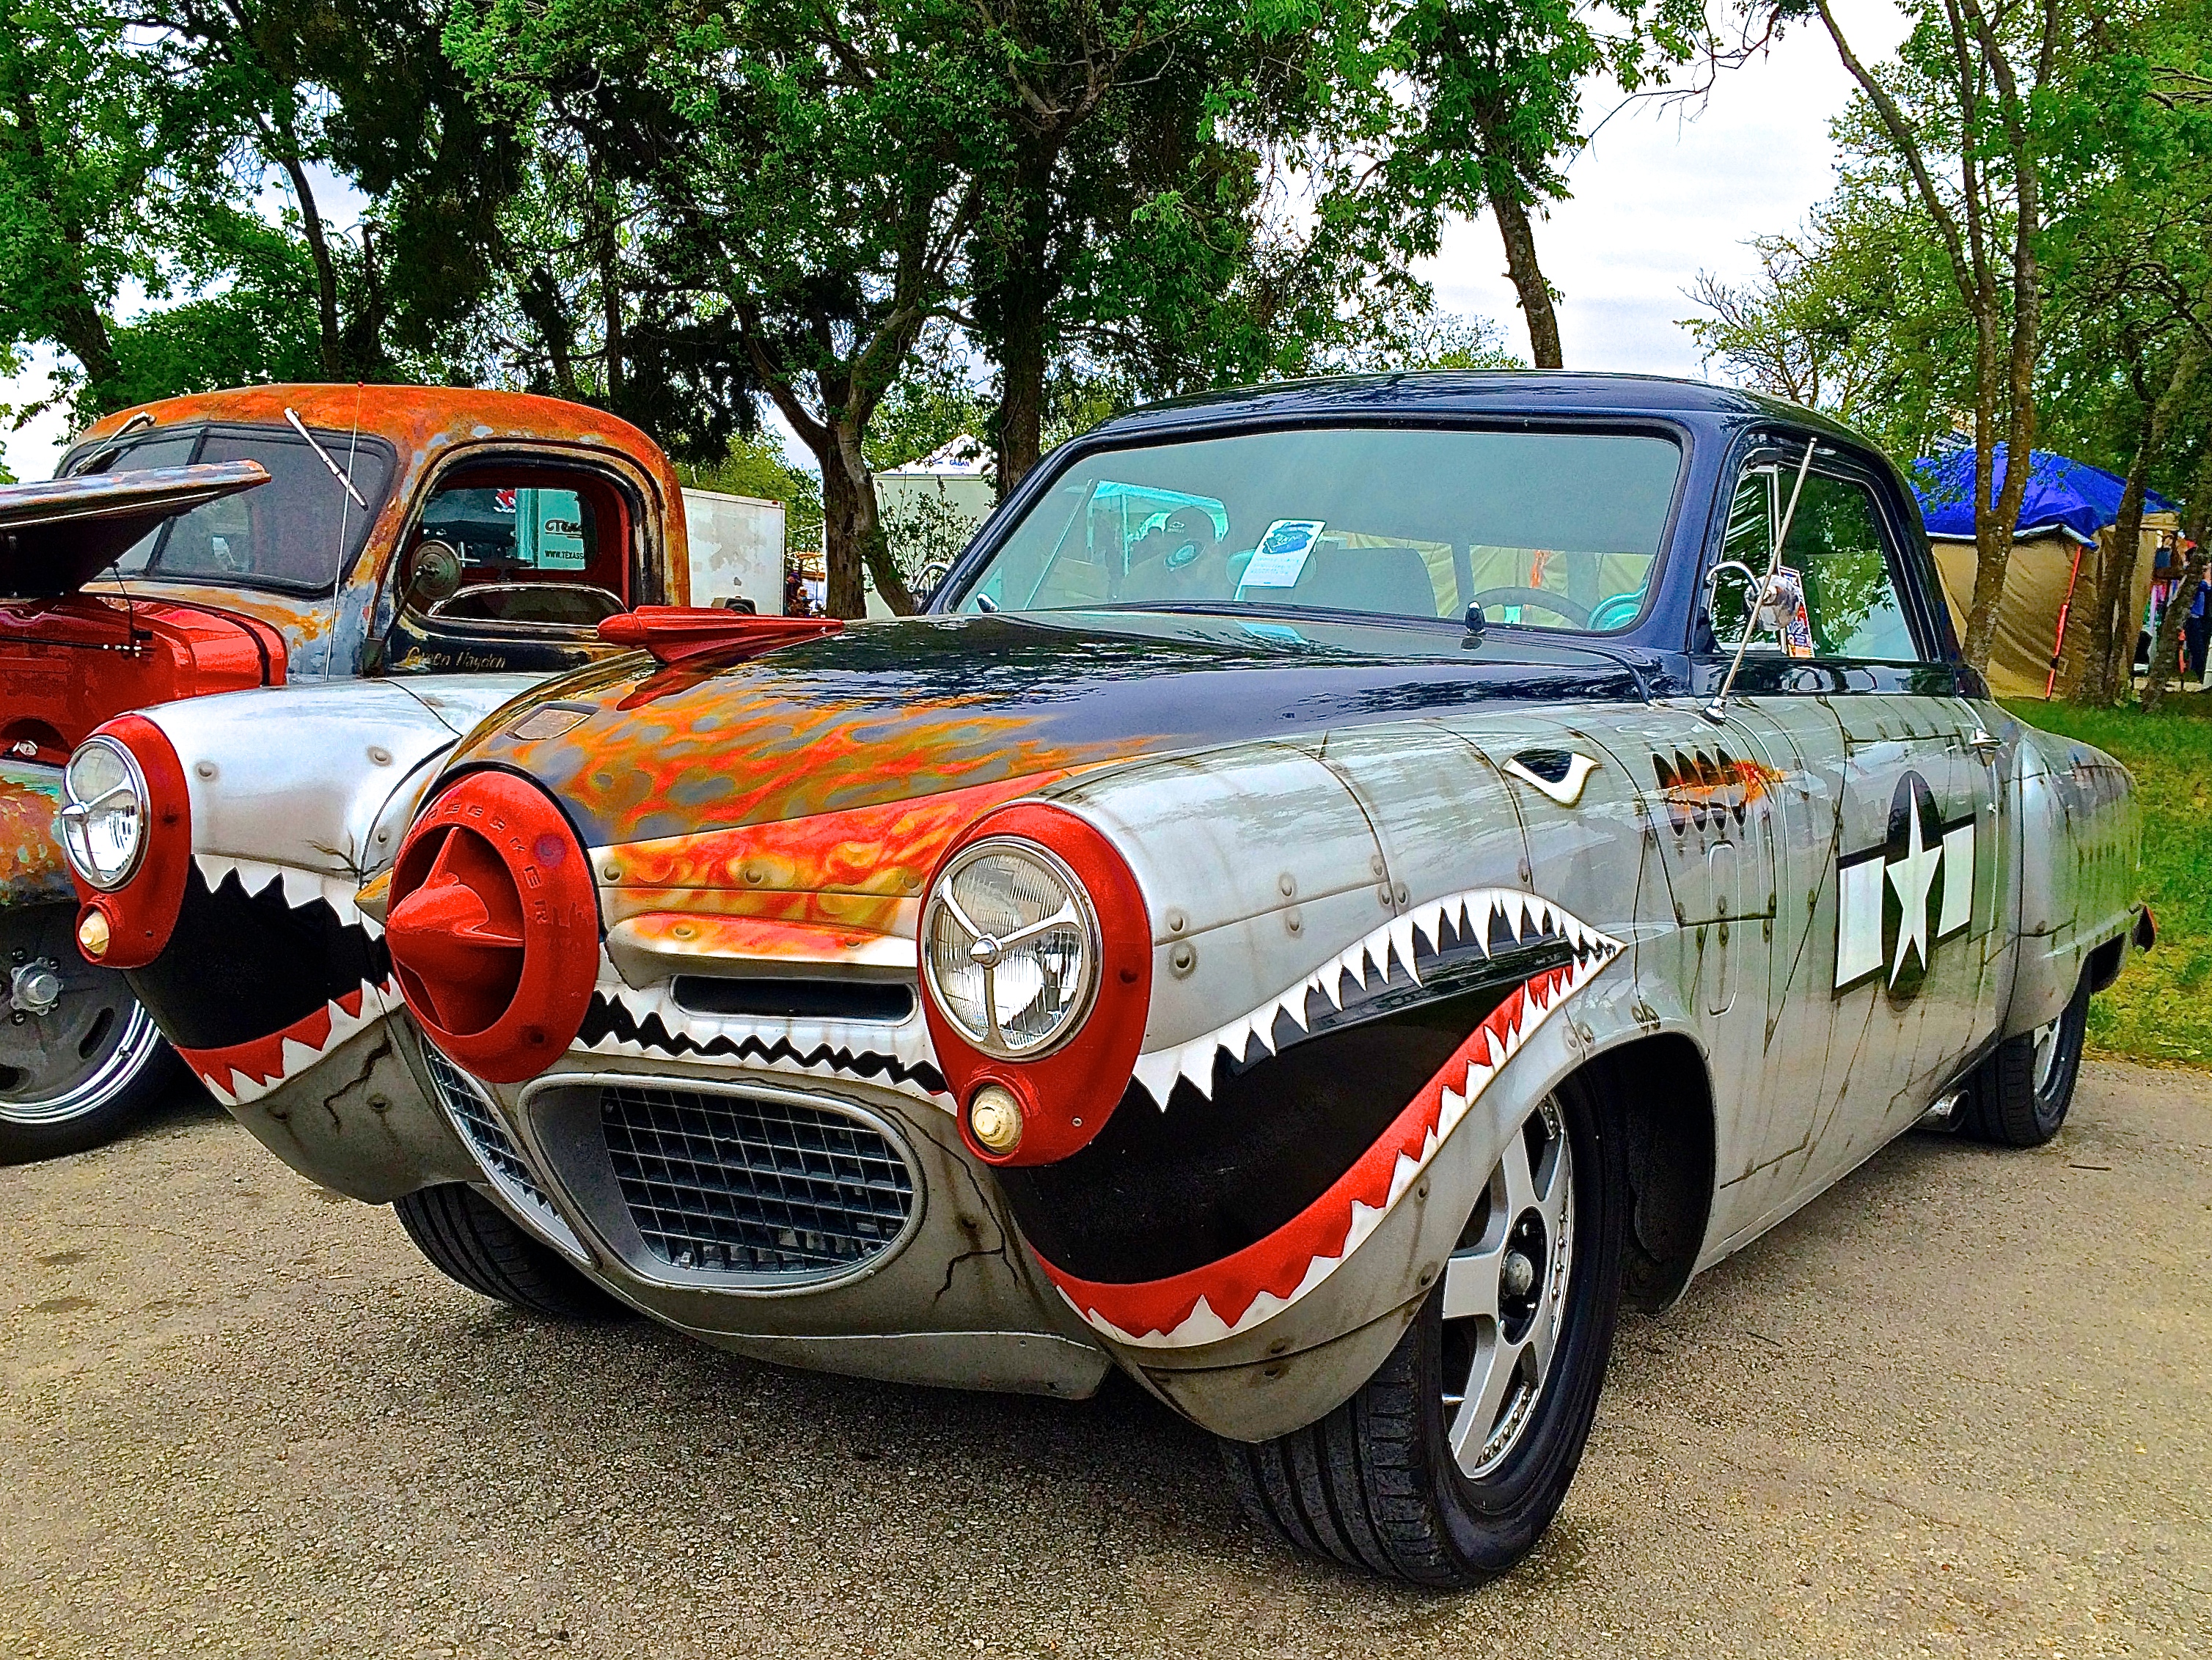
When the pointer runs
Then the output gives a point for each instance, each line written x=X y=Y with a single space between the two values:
x=1912 y=876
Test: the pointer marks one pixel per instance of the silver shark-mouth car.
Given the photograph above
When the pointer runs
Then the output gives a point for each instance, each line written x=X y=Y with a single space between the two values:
x=1348 y=885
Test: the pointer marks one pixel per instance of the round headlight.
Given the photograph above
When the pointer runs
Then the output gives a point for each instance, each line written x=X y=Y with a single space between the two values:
x=1010 y=944
x=104 y=812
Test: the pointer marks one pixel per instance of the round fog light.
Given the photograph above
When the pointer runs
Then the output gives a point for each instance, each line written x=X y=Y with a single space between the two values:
x=994 y=1118
x=93 y=935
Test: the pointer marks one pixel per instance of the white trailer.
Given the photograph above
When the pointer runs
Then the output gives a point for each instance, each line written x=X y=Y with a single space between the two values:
x=737 y=549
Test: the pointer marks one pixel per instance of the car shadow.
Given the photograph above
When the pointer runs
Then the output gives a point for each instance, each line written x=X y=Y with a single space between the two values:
x=706 y=1441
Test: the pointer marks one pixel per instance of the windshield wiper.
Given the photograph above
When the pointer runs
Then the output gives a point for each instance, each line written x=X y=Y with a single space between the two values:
x=336 y=471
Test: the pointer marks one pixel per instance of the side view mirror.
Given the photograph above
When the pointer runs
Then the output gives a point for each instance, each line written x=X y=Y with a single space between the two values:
x=434 y=573
x=1732 y=601
x=1740 y=602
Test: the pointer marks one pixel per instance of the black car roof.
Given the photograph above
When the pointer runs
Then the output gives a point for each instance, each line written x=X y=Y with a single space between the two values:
x=1473 y=392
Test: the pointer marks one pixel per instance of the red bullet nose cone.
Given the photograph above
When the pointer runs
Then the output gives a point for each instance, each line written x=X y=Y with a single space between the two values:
x=457 y=940
x=493 y=930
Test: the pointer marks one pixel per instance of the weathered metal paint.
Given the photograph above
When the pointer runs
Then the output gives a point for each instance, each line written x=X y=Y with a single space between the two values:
x=31 y=869
x=863 y=852
x=429 y=427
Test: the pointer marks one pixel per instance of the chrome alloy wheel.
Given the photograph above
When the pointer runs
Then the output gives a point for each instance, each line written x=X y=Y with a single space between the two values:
x=2047 y=1048
x=1505 y=1294
x=74 y=1055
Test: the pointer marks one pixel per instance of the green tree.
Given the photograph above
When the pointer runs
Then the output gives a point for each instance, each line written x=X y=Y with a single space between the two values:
x=806 y=179
x=1854 y=315
x=1468 y=106
x=1963 y=126
x=110 y=175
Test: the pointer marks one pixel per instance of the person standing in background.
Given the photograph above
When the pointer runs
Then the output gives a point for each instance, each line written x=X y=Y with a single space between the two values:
x=2196 y=627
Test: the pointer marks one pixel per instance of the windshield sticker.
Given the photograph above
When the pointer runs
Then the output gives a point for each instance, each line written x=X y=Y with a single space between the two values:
x=1280 y=559
x=1784 y=612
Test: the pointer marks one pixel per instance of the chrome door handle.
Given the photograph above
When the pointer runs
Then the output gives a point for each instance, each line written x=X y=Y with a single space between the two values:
x=1983 y=745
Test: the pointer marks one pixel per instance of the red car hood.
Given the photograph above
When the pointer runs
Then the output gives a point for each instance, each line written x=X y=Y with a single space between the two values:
x=69 y=660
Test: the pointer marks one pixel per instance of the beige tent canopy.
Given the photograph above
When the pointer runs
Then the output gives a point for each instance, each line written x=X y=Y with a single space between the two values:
x=2046 y=573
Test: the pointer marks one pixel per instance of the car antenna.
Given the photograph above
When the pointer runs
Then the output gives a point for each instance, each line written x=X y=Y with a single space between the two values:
x=130 y=635
x=345 y=478
x=1716 y=710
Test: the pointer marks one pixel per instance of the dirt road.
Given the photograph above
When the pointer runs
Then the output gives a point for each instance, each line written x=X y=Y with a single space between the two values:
x=1962 y=1404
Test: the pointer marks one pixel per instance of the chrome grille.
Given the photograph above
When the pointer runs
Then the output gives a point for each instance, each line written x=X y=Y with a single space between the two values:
x=508 y=1170
x=754 y=1185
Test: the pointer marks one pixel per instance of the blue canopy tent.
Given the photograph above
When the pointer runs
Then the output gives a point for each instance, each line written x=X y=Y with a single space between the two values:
x=2070 y=498
x=2067 y=504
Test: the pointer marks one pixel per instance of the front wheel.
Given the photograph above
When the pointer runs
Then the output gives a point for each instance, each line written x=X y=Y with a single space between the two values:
x=1448 y=1465
x=79 y=1059
x=2019 y=1097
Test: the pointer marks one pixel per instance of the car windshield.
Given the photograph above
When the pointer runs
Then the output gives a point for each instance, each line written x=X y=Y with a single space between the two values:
x=298 y=531
x=1552 y=530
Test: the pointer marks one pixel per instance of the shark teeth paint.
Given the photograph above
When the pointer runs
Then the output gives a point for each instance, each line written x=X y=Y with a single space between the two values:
x=245 y=1072
x=1224 y=1299
x=802 y=1048
x=299 y=887
x=1474 y=912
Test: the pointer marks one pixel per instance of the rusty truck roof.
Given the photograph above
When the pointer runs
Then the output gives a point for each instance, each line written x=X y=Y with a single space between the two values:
x=412 y=418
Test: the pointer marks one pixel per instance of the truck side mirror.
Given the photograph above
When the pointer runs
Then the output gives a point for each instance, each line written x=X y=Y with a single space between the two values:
x=433 y=574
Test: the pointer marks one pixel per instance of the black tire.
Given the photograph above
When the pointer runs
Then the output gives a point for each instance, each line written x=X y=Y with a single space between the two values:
x=470 y=1239
x=1375 y=1484
x=81 y=1063
x=2020 y=1095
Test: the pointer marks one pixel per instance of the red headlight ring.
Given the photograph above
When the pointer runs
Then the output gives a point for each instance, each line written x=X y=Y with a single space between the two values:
x=494 y=926
x=1067 y=1095
x=142 y=914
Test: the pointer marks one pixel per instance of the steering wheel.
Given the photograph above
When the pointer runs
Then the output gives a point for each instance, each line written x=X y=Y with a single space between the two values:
x=1179 y=557
x=1613 y=612
x=1543 y=599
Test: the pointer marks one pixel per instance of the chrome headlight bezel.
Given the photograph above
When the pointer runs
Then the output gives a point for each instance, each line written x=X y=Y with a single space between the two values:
x=940 y=903
x=77 y=814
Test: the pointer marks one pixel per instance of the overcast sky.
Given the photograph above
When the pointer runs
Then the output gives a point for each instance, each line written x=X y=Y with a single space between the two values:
x=1660 y=193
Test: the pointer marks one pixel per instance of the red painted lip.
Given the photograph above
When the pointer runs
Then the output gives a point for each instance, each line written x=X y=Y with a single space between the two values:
x=1278 y=1264
x=261 y=1060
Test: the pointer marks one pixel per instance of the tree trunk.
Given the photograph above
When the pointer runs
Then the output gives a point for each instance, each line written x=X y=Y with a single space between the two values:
x=1528 y=278
x=1993 y=540
x=318 y=249
x=82 y=332
x=2127 y=549
x=2105 y=680
x=606 y=251
x=538 y=298
x=853 y=536
x=1019 y=292
x=1021 y=395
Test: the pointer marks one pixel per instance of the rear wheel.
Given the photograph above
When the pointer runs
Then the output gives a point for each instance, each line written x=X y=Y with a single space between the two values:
x=470 y=1239
x=2020 y=1095
x=79 y=1059
x=1447 y=1466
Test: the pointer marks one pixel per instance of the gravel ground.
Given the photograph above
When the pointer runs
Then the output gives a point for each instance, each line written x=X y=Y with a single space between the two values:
x=1959 y=1405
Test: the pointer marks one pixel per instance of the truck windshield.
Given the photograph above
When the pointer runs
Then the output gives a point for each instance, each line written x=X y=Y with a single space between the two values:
x=297 y=531
x=1552 y=530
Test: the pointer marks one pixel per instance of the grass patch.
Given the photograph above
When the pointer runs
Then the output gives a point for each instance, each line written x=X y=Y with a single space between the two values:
x=2162 y=1009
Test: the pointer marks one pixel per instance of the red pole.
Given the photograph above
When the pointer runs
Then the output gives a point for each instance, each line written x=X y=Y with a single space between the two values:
x=2058 y=644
